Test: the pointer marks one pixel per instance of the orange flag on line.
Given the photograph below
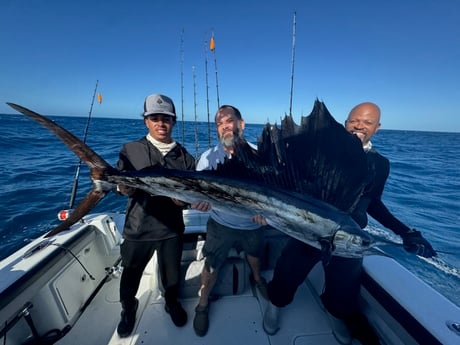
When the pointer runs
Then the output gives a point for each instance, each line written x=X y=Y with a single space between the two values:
x=211 y=44
x=99 y=98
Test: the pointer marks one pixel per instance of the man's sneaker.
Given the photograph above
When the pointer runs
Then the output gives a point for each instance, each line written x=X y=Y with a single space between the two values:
x=340 y=330
x=128 y=319
x=177 y=313
x=201 y=320
x=271 y=319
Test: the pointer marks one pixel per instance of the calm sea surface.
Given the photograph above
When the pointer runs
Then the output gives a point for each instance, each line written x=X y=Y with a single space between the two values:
x=37 y=173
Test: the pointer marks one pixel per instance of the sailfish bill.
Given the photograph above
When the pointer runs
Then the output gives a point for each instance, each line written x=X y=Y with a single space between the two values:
x=304 y=181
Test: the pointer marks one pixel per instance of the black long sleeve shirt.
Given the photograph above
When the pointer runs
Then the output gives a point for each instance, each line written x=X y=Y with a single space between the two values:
x=152 y=217
x=371 y=202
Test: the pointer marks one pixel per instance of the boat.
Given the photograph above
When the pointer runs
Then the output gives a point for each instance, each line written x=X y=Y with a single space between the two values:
x=63 y=289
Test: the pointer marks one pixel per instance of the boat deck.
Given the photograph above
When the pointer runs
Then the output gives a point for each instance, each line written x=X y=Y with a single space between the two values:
x=235 y=319
x=47 y=294
x=235 y=315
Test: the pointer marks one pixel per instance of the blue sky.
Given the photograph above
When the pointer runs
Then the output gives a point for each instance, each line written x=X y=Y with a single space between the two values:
x=402 y=55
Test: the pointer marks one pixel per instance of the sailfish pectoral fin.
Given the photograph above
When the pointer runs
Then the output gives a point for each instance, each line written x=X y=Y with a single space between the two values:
x=86 y=205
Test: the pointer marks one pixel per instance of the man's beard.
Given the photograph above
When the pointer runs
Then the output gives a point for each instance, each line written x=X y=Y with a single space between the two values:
x=230 y=140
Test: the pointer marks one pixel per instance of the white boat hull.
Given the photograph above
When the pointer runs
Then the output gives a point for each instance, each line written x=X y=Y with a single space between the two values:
x=48 y=293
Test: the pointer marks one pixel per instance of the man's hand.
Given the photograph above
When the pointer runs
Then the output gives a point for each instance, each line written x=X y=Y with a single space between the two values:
x=259 y=219
x=125 y=190
x=414 y=242
x=202 y=206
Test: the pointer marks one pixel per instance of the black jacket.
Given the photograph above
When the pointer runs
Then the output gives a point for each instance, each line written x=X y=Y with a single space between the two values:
x=152 y=217
x=371 y=202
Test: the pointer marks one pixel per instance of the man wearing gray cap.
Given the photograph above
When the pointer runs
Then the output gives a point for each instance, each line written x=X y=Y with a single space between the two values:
x=153 y=223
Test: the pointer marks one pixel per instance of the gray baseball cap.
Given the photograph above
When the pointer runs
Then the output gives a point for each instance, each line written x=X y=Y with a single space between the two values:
x=159 y=104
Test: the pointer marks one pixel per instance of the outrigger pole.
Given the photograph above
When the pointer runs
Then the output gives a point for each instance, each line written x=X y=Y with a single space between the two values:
x=292 y=64
x=77 y=170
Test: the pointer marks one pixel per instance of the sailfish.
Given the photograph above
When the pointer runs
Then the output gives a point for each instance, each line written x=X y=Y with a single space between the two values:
x=304 y=179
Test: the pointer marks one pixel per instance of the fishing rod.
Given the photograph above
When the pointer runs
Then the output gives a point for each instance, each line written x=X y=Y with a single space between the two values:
x=212 y=47
x=194 y=107
x=77 y=170
x=207 y=91
x=292 y=64
x=182 y=82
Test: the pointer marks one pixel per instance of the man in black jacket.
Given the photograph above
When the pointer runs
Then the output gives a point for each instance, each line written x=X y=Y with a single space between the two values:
x=342 y=275
x=364 y=121
x=153 y=223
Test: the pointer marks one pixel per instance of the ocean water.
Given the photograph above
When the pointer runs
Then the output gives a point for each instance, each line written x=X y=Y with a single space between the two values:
x=37 y=174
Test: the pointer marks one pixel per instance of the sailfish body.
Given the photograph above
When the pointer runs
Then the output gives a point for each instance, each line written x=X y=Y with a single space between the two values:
x=303 y=179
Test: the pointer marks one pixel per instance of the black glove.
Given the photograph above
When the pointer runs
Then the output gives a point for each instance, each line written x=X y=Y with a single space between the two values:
x=414 y=242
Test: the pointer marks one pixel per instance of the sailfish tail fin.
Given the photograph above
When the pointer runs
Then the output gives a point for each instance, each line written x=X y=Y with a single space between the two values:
x=98 y=166
x=83 y=151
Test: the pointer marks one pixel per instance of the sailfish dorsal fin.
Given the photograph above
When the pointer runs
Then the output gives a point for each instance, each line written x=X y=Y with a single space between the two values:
x=318 y=157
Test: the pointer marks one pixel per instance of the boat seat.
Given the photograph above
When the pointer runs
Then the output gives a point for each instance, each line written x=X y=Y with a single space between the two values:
x=233 y=277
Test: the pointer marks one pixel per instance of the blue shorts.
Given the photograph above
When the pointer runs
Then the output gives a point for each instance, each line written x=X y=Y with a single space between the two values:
x=220 y=239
